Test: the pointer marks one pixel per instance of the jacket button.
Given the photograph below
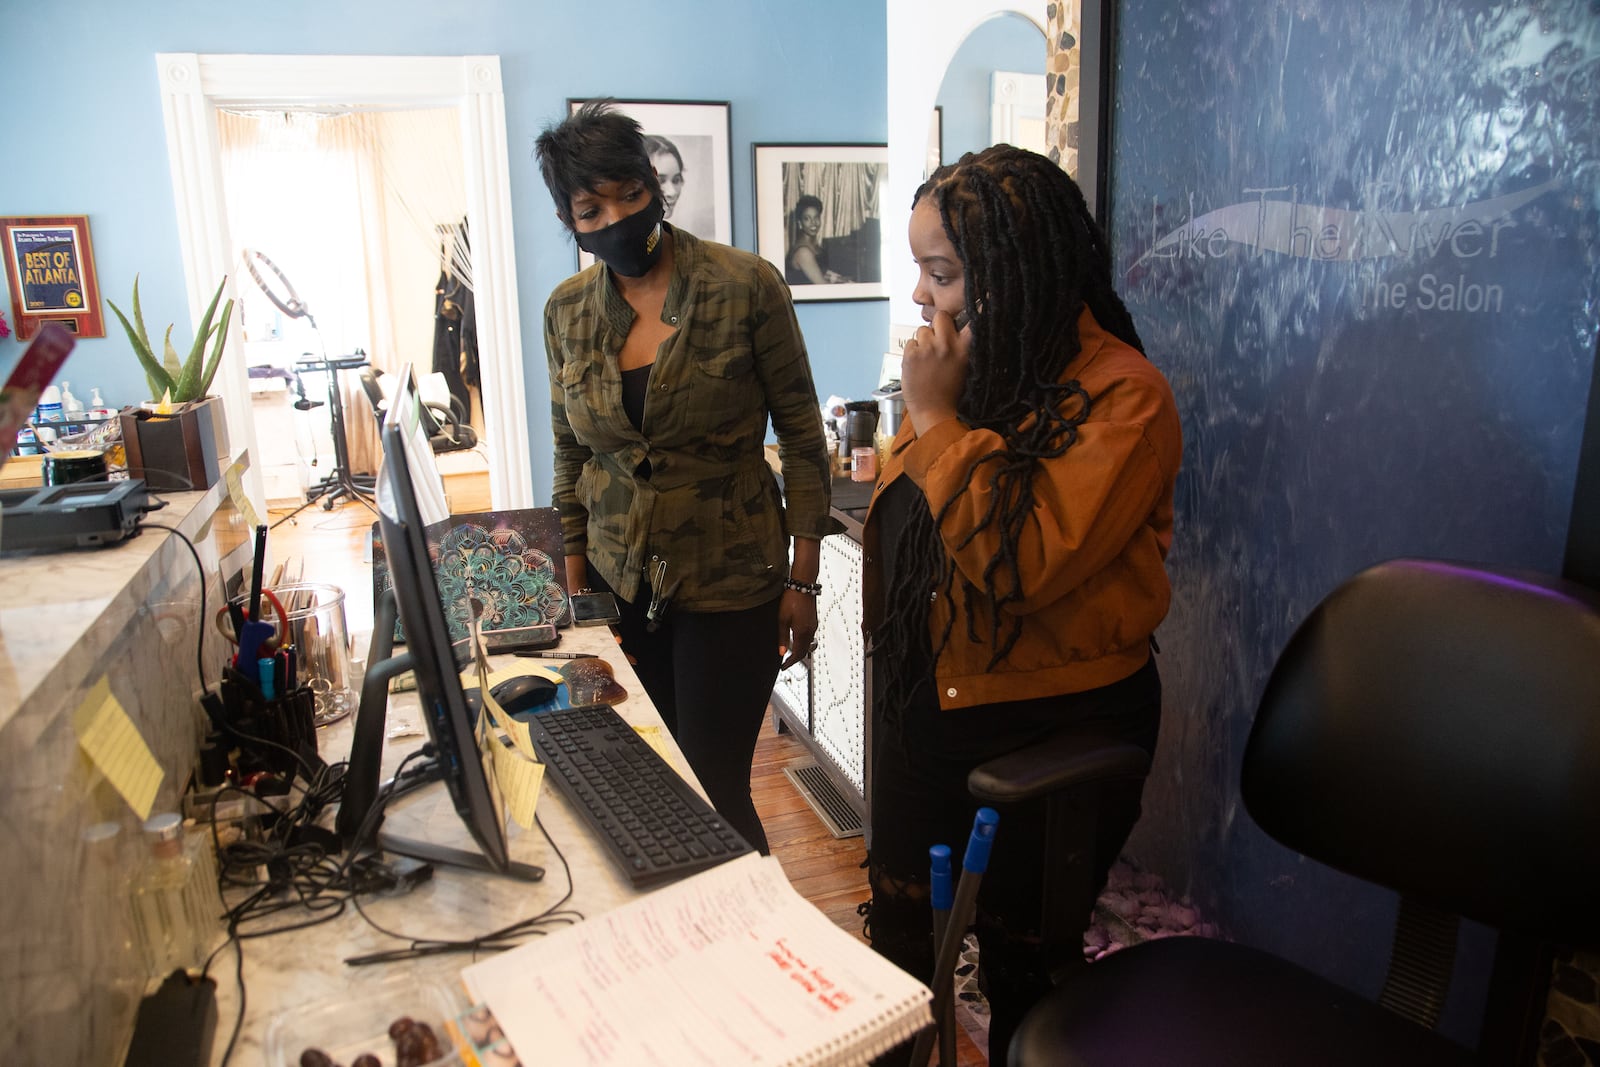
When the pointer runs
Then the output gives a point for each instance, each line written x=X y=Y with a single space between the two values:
x=951 y=692
x=674 y=320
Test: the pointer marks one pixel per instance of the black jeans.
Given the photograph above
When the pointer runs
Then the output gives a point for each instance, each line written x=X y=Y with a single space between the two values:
x=920 y=799
x=710 y=675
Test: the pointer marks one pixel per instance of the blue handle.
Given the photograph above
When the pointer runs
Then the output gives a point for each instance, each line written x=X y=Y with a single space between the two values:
x=942 y=890
x=982 y=840
x=251 y=636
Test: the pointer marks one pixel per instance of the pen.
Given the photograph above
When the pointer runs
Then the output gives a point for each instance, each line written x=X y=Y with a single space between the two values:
x=531 y=654
x=973 y=865
x=256 y=572
x=941 y=895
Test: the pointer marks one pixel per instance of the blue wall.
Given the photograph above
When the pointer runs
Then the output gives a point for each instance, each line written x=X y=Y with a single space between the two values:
x=1005 y=42
x=85 y=134
x=1348 y=394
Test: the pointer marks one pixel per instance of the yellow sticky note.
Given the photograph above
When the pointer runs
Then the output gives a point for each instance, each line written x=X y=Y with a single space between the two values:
x=480 y=675
x=519 y=779
x=240 y=499
x=520 y=735
x=516 y=670
x=652 y=737
x=112 y=741
x=516 y=773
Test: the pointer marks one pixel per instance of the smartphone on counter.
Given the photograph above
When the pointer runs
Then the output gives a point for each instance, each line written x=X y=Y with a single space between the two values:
x=519 y=638
x=595 y=609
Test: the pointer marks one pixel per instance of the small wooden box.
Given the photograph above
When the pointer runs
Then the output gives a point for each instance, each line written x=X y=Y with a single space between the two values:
x=22 y=472
x=183 y=451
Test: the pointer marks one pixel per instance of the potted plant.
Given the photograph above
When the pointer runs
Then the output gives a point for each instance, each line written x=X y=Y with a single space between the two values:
x=179 y=440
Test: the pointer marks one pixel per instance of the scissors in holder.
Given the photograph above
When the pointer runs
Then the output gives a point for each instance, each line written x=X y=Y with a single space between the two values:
x=253 y=637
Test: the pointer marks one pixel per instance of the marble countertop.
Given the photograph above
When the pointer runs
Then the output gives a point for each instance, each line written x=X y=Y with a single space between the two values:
x=61 y=606
x=290 y=975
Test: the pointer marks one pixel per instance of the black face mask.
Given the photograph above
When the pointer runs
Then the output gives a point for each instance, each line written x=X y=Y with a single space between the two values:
x=629 y=246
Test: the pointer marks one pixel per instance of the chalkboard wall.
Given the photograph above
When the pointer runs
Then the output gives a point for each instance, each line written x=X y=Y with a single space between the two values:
x=1361 y=239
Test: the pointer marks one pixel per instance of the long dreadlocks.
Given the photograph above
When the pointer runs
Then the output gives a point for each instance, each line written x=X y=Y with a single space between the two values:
x=1033 y=259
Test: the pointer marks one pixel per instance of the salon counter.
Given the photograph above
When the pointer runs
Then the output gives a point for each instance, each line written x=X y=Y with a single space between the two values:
x=127 y=614
x=289 y=975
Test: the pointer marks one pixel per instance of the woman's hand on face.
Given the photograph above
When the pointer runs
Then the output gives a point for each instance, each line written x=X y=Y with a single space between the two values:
x=797 y=626
x=933 y=371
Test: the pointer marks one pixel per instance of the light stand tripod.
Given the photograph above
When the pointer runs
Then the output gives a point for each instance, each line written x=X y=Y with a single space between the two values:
x=341 y=482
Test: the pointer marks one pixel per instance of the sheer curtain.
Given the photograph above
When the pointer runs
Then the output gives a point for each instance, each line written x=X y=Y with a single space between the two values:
x=347 y=207
x=849 y=193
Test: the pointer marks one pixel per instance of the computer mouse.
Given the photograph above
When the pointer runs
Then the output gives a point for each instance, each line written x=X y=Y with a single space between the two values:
x=525 y=692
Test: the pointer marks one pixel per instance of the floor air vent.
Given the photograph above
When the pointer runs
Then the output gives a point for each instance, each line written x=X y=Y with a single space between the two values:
x=818 y=789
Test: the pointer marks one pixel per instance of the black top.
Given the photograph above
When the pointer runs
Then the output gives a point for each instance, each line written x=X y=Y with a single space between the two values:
x=895 y=508
x=635 y=386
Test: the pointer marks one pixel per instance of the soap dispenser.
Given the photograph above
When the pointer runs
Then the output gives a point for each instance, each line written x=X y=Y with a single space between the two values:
x=70 y=406
x=97 y=406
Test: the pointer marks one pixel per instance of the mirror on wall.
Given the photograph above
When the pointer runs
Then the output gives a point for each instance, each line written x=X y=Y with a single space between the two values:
x=993 y=91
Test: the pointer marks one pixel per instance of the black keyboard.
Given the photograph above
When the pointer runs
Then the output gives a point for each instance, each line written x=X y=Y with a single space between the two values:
x=654 y=825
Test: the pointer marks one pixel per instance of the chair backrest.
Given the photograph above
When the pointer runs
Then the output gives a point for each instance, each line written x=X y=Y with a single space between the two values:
x=374 y=390
x=1434 y=727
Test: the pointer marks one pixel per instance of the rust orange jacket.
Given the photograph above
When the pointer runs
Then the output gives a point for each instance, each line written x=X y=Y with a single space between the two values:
x=1092 y=560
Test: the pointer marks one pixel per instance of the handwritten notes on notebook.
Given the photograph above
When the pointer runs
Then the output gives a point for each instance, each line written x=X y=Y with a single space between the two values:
x=729 y=966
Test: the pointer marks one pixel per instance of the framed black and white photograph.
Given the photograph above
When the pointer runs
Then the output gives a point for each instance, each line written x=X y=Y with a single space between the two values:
x=689 y=146
x=818 y=217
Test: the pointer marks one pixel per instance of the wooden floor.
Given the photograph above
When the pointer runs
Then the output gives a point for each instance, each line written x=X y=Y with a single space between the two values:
x=329 y=546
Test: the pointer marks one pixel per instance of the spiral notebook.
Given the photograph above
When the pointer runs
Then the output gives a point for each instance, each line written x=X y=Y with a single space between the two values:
x=728 y=966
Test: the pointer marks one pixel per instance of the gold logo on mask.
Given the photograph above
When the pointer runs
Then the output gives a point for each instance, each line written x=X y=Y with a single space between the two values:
x=653 y=240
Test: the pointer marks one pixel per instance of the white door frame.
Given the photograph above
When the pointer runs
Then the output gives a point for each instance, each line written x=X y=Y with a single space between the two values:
x=193 y=86
x=924 y=36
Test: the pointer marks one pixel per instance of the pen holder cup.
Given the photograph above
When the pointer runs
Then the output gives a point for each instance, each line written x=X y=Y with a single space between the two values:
x=278 y=735
x=321 y=639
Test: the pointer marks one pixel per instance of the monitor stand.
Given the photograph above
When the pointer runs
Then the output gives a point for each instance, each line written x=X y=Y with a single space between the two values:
x=361 y=788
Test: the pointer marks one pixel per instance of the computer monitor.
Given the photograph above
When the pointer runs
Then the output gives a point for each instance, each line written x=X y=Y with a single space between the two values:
x=410 y=495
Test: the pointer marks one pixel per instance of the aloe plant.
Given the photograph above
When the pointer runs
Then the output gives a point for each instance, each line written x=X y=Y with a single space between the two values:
x=168 y=378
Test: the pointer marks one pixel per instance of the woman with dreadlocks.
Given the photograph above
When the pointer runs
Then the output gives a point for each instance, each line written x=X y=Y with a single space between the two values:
x=1015 y=548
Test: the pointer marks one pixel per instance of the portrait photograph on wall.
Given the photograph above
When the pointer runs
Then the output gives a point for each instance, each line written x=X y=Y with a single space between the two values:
x=818 y=217
x=689 y=146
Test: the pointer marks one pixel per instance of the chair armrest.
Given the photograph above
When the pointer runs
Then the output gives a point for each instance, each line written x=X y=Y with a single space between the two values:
x=1058 y=763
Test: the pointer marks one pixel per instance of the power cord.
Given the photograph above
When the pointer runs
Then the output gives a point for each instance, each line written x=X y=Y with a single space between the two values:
x=555 y=917
x=200 y=570
x=296 y=865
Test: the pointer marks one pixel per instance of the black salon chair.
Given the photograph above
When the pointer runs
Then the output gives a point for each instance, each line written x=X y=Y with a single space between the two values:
x=447 y=426
x=1433 y=728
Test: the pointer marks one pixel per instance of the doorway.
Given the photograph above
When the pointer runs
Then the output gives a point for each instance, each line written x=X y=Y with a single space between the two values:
x=195 y=86
x=352 y=251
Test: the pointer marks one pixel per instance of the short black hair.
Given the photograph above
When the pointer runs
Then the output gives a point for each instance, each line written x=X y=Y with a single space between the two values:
x=595 y=144
x=807 y=201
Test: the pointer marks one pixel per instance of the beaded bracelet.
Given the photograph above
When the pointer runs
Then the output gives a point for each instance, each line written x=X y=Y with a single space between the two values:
x=808 y=588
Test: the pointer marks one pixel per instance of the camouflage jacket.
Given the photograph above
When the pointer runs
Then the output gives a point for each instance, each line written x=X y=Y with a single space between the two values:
x=711 y=507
